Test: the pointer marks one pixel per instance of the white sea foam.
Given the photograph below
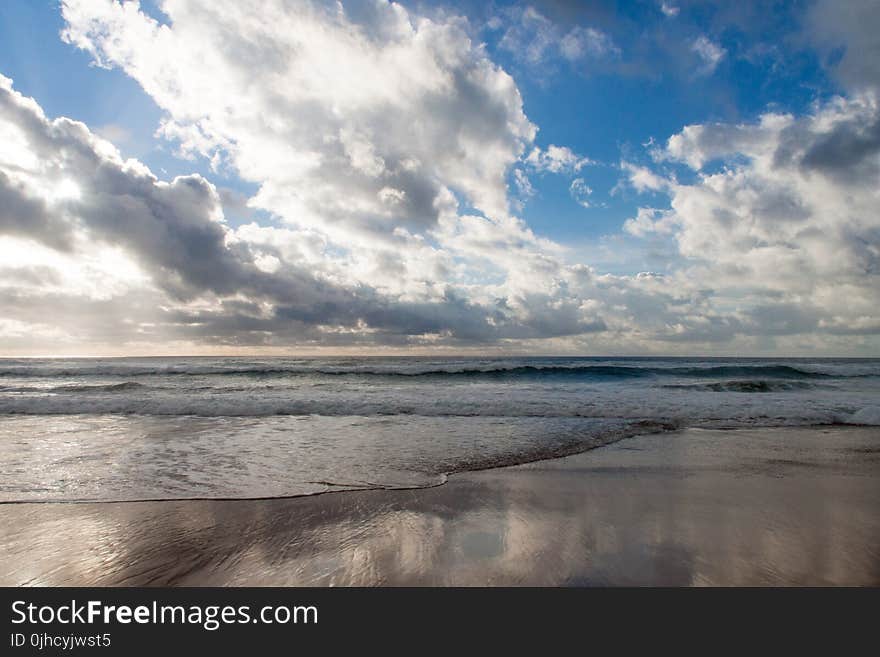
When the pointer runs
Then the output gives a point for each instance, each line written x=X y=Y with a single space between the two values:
x=870 y=415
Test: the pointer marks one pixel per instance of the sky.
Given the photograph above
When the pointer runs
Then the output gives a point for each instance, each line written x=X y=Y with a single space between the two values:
x=578 y=178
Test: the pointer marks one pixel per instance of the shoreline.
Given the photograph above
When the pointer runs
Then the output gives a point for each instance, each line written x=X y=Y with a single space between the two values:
x=668 y=500
x=563 y=454
x=444 y=476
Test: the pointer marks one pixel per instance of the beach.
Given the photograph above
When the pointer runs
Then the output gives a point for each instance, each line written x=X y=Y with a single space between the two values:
x=431 y=293
x=768 y=506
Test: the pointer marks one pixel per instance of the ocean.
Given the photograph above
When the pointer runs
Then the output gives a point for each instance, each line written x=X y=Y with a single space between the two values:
x=223 y=428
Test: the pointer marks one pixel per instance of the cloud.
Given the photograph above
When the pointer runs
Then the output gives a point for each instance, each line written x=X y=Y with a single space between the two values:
x=786 y=226
x=25 y=214
x=710 y=53
x=534 y=39
x=325 y=106
x=697 y=145
x=168 y=242
x=849 y=149
x=643 y=179
x=849 y=38
x=556 y=159
x=669 y=10
x=582 y=42
x=523 y=184
x=580 y=192
x=650 y=220
x=363 y=124
x=382 y=143
x=153 y=262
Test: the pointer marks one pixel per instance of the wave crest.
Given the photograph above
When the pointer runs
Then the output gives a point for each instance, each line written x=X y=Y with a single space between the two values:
x=493 y=371
x=758 y=386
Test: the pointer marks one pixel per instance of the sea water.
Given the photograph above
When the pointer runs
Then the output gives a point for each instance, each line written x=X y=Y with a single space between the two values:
x=180 y=428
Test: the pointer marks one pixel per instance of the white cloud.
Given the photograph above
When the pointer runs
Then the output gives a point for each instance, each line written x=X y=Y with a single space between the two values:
x=580 y=192
x=642 y=179
x=523 y=184
x=364 y=123
x=533 y=38
x=650 y=220
x=788 y=222
x=669 y=9
x=68 y=200
x=557 y=159
x=382 y=143
x=582 y=42
x=710 y=53
x=323 y=107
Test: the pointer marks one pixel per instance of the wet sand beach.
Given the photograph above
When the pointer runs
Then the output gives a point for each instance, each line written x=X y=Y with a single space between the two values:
x=786 y=506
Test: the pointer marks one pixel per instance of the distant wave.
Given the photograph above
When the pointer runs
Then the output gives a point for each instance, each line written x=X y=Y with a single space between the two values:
x=127 y=386
x=621 y=371
x=628 y=408
x=745 y=386
x=779 y=371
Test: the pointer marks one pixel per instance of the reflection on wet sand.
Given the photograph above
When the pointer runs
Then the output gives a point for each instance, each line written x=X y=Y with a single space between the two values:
x=792 y=506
